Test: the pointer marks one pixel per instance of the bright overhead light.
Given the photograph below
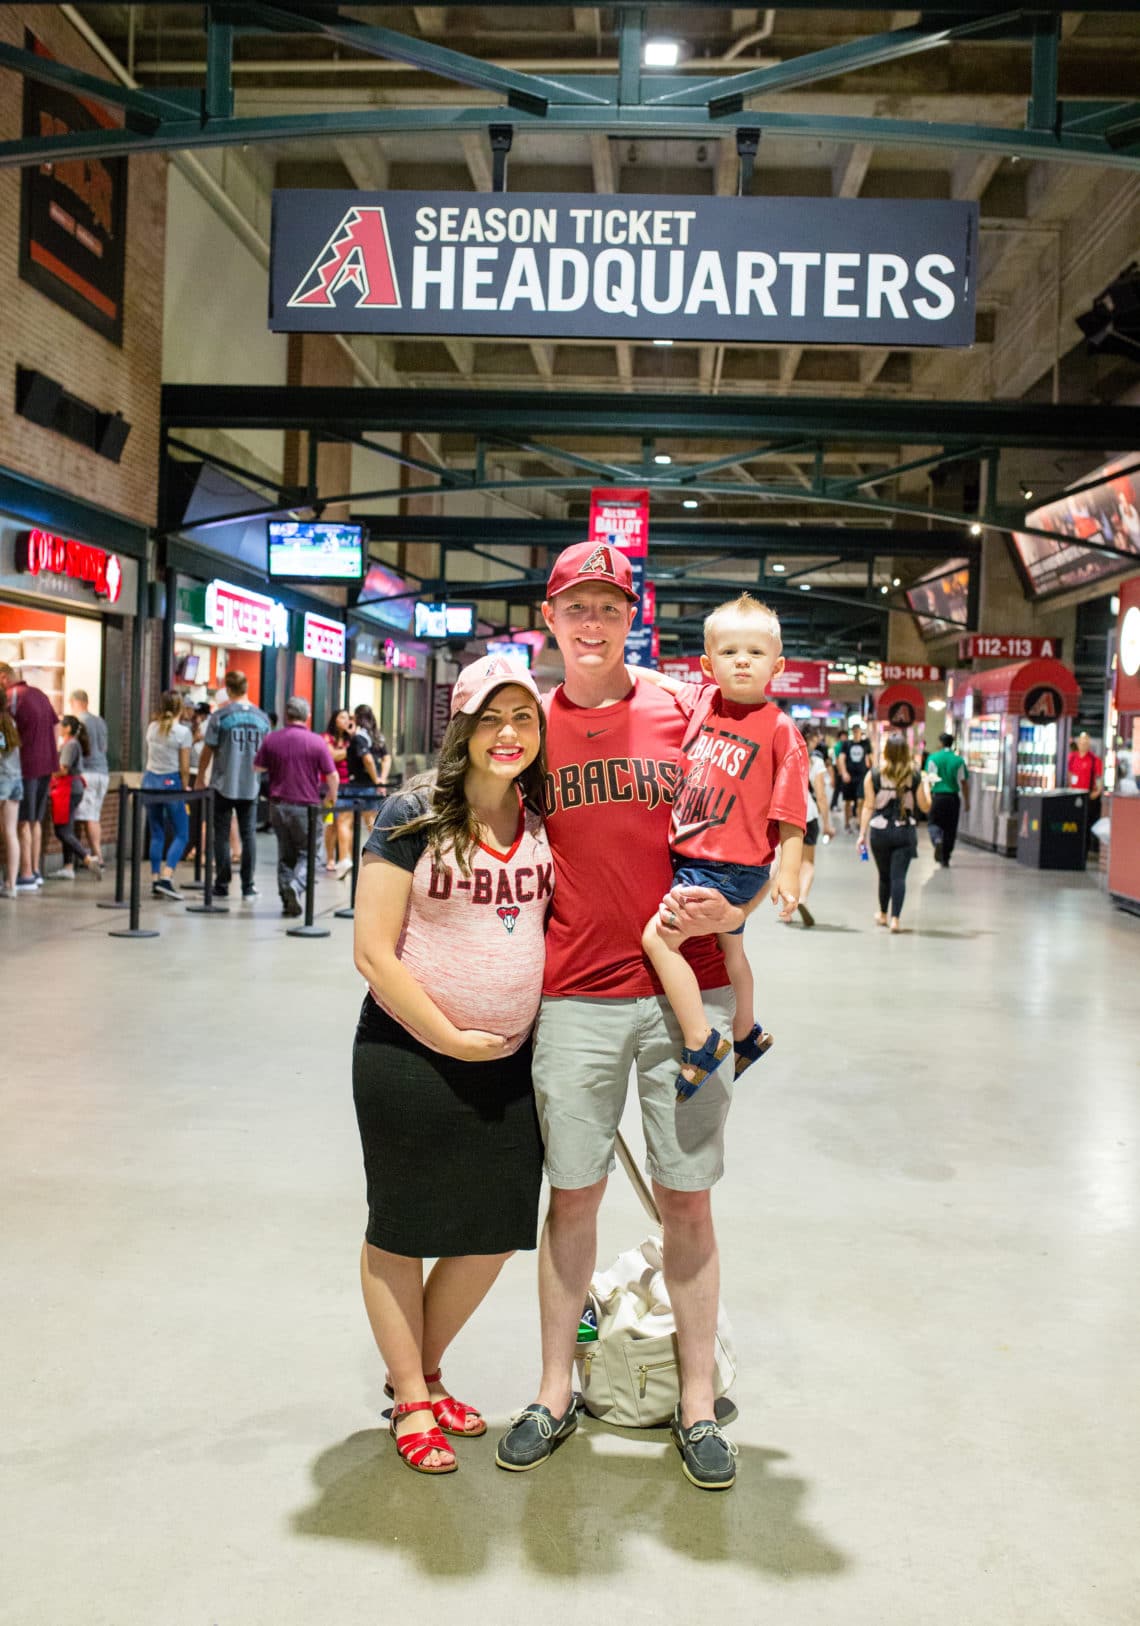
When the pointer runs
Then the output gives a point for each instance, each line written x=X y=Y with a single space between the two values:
x=896 y=582
x=1114 y=605
x=663 y=343
x=661 y=53
x=937 y=705
x=689 y=502
x=975 y=529
x=805 y=587
x=778 y=569
x=884 y=589
x=662 y=458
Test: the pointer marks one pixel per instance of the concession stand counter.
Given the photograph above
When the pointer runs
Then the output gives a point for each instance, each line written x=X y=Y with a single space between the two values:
x=1014 y=724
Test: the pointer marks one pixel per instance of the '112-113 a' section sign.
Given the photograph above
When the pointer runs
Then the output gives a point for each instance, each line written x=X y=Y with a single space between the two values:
x=524 y=265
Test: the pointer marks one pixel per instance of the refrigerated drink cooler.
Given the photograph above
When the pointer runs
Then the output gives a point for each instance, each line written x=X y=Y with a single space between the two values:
x=1013 y=725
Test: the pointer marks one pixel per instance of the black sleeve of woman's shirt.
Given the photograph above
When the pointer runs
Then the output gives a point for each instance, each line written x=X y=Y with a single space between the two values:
x=403 y=851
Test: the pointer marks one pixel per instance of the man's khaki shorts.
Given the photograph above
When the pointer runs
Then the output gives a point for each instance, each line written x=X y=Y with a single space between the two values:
x=584 y=1051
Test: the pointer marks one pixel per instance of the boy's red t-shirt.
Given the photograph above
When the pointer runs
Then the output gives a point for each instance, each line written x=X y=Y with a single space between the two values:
x=743 y=772
x=609 y=790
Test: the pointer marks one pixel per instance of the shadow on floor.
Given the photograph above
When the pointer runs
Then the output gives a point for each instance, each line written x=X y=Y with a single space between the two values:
x=573 y=1517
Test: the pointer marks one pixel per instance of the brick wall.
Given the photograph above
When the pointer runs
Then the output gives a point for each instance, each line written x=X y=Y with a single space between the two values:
x=35 y=332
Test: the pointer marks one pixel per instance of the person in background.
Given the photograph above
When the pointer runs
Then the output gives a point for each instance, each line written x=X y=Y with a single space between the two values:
x=837 y=750
x=818 y=817
x=1086 y=772
x=36 y=720
x=89 y=814
x=369 y=760
x=11 y=791
x=892 y=796
x=301 y=775
x=338 y=824
x=949 y=781
x=66 y=795
x=168 y=743
x=233 y=738
x=195 y=720
x=853 y=761
x=1124 y=766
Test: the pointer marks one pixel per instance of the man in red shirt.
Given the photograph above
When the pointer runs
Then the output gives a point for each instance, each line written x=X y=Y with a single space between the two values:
x=39 y=757
x=612 y=744
x=302 y=774
x=1086 y=772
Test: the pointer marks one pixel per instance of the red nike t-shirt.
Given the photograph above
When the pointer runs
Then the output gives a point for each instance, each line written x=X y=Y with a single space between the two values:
x=742 y=773
x=609 y=790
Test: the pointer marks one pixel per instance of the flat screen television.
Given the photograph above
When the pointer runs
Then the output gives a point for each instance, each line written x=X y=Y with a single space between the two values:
x=315 y=551
x=445 y=621
x=507 y=646
x=189 y=668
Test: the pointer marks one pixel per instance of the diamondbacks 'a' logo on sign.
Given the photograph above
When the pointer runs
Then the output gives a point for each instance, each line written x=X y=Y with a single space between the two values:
x=902 y=714
x=1044 y=703
x=358 y=254
x=600 y=563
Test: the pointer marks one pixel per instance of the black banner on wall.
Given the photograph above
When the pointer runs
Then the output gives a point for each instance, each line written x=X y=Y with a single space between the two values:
x=530 y=265
x=73 y=214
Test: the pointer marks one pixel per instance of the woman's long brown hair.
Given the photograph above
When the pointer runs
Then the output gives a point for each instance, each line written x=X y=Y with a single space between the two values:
x=898 y=764
x=168 y=713
x=8 y=729
x=450 y=821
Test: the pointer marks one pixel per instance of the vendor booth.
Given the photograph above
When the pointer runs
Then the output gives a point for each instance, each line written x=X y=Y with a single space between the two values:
x=1014 y=724
x=1124 y=836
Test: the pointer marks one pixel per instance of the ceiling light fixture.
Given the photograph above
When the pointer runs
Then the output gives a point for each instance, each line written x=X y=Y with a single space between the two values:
x=661 y=53
x=663 y=458
x=896 y=581
x=805 y=587
x=884 y=589
x=975 y=529
x=689 y=502
x=778 y=569
x=663 y=344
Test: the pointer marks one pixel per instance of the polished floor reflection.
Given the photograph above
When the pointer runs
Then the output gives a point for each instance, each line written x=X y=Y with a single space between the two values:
x=930 y=1239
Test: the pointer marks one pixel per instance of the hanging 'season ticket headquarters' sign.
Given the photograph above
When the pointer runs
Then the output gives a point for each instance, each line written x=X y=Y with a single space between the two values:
x=733 y=270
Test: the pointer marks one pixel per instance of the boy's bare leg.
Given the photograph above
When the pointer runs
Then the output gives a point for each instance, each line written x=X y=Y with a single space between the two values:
x=679 y=981
x=743 y=987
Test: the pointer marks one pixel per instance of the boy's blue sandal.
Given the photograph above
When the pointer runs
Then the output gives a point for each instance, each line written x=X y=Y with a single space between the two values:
x=706 y=1060
x=757 y=1044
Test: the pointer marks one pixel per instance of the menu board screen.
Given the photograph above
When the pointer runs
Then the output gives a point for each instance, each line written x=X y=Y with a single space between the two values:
x=1107 y=514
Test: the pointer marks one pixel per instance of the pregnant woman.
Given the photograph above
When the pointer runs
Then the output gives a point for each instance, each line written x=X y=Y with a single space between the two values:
x=450 y=911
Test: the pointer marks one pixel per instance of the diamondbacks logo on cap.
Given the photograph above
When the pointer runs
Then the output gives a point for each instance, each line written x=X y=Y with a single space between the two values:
x=359 y=253
x=600 y=563
x=496 y=665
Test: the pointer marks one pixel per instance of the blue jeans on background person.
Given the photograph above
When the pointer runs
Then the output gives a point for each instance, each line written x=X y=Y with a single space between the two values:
x=165 y=818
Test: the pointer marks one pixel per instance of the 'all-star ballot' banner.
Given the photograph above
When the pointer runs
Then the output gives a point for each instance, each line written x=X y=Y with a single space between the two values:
x=570 y=265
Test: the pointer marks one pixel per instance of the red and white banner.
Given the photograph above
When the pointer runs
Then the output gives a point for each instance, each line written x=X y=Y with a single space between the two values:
x=685 y=667
x=1005 y=646
x=323 y=640
x=620 y=516
x=913 y=674
x=801 y=680
x=236 y=612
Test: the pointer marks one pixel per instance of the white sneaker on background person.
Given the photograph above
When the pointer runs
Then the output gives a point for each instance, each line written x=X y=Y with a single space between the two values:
x=66 y=872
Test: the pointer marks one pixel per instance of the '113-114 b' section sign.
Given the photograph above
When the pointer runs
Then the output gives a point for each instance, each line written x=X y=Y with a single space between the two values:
x=733 y=270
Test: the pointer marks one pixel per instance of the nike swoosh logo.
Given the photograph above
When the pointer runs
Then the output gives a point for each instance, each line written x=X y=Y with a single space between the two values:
x=592 y=734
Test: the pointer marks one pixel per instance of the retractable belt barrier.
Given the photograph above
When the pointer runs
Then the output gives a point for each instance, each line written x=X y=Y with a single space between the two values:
x=360 y=805
x=142 y=799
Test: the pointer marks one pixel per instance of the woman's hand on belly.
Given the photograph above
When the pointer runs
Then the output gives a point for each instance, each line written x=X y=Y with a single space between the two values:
x=472 y=1044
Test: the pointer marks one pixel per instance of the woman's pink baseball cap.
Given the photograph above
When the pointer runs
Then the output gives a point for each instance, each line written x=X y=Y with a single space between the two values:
x=483 y=677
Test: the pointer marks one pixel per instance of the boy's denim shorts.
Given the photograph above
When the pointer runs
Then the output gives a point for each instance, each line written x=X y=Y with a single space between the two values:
x=736 y=883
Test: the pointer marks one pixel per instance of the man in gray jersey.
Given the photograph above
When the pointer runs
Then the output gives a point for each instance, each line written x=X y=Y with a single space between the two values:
x=94 y=769
x=233 y=738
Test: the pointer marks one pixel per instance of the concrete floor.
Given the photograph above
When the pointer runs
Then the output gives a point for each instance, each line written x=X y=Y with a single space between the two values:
x=929 y=1230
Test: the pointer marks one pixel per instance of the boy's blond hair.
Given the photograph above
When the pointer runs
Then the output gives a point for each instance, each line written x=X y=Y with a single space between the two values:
x=745 y=605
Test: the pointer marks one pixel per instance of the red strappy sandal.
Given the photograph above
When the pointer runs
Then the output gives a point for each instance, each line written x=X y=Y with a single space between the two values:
x=413 y=1448
x=448 y=1412
x=452 y=1414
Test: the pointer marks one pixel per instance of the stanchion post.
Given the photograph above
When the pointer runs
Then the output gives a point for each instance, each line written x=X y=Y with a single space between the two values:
x=119 y=901
x=308 y=929
x=357 y=821
x=133 y=929
x=207 y=905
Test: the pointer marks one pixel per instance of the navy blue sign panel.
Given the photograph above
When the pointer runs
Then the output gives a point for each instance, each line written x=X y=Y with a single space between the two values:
x=569 y=265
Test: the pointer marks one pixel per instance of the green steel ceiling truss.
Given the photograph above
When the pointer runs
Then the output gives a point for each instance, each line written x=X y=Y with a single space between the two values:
x=630 y=103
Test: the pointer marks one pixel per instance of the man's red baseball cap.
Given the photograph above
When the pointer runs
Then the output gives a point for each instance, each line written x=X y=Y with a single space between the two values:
x=589 y=562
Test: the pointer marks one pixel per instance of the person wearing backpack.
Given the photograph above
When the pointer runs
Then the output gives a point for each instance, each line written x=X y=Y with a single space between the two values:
x=892 y=794
x=369 y=761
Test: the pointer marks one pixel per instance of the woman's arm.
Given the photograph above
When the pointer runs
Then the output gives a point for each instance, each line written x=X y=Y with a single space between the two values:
x=922 y=794
x=385 y=768
x=184 y=765
x=821 y=801
x=382 y=893
x=867 y=809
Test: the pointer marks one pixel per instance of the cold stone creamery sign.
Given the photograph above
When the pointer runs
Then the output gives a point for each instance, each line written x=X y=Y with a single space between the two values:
x=734 y=270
